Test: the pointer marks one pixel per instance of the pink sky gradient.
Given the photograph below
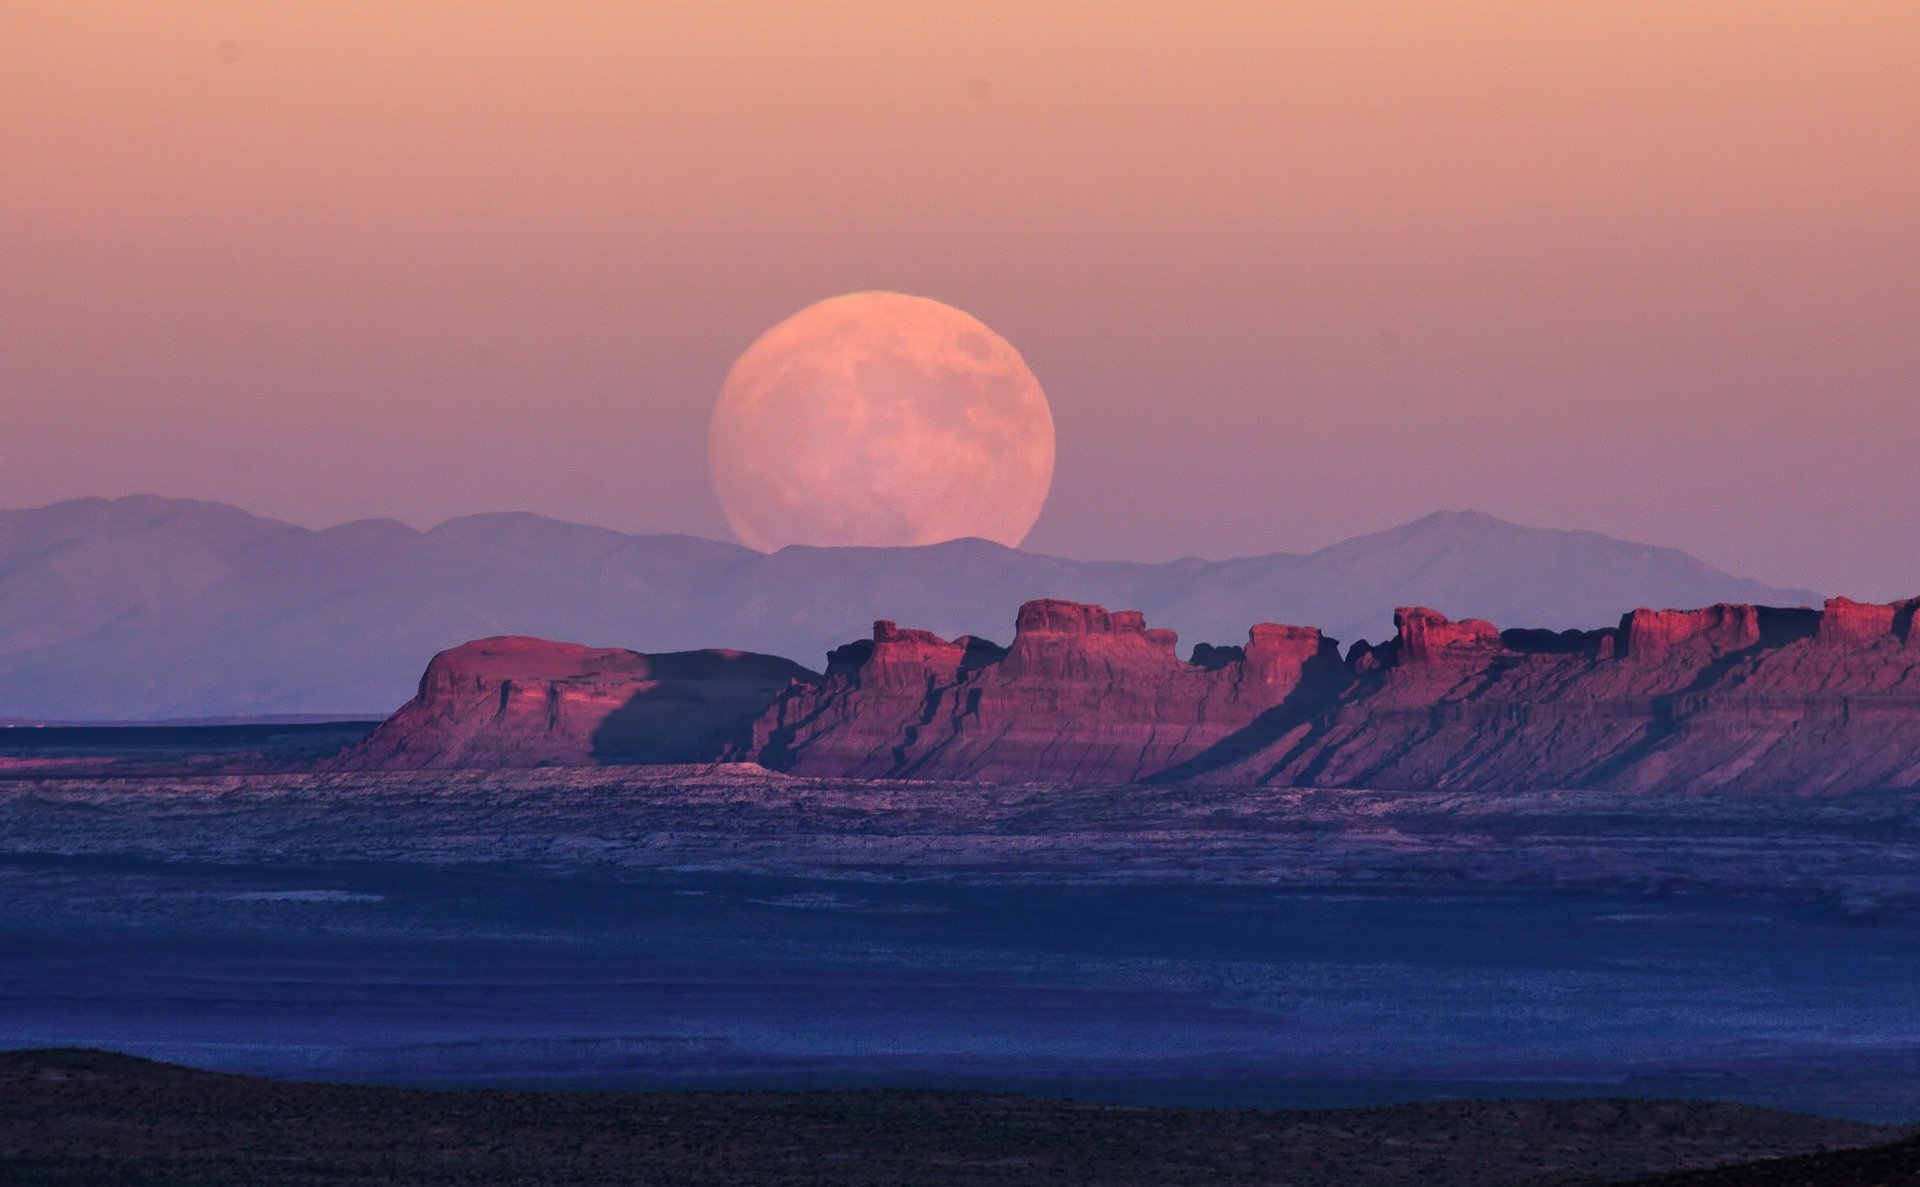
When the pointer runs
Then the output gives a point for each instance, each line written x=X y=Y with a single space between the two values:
x=1287 y=272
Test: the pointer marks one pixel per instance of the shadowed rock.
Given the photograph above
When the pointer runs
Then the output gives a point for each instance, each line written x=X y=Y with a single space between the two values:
x=1083 y=693
x=517 y=702
x=1729 y=697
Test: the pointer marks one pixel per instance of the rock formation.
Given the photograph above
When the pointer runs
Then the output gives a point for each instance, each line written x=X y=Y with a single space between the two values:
x=519 y=702
x=1426 y=637
x=1083 y=694
x=1736 y=697
x=1729 y=697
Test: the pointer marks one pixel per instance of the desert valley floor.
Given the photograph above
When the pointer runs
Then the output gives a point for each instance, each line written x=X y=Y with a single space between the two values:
x=724 y=927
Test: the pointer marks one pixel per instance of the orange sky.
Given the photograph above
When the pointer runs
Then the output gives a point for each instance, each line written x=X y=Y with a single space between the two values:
x=1287 y=272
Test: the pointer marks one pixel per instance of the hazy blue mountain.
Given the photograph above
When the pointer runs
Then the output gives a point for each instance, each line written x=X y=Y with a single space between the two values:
x=144 y=607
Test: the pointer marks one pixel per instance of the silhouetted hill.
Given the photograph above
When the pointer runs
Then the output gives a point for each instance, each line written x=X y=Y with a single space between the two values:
x=147 y=608
x=84 y=1116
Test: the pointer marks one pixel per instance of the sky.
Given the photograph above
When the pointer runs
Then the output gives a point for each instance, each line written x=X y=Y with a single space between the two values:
x=1287 y=272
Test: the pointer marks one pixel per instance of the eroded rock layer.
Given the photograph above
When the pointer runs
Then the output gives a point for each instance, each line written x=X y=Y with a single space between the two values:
x=1727 y=697
x=519 y=702
x=1083 y=694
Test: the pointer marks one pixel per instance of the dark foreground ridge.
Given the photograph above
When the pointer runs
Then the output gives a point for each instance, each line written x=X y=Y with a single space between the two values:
x=1738 y=698
x=93 y=1117
x=1896 y=1164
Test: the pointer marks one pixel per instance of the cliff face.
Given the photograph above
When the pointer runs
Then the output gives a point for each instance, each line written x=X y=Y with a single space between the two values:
x=1734 y=697
x=1728 y=697
x=519 y=702
x=1083 y=694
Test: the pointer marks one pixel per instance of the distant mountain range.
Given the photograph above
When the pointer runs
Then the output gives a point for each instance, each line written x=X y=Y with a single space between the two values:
x=146 y=608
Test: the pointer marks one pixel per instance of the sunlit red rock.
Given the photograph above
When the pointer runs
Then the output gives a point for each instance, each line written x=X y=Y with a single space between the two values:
x=1082 y=693
x=1727 y=697
x=1652 y=634
x=1847 y=623
x=1427 y=636
x=518 y=702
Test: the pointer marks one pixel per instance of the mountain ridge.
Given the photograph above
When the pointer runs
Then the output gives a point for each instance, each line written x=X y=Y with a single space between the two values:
x=152 y=608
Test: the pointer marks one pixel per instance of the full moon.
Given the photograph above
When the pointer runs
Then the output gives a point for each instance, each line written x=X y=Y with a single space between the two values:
x=880 y=419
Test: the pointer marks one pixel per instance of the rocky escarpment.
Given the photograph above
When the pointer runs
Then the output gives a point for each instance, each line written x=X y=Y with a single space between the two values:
x=1727 y=697
x=1083 y=693
x=1737 y=697
x=1734 y=697
x=519 y=702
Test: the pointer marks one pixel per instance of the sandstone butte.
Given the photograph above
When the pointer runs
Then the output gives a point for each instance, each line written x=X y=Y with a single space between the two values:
x=1749 y=699
x=520 y=702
